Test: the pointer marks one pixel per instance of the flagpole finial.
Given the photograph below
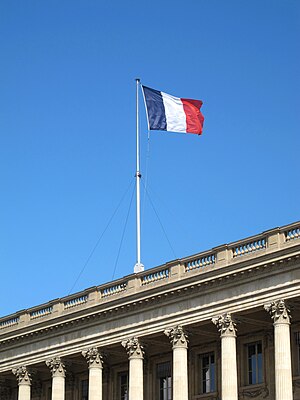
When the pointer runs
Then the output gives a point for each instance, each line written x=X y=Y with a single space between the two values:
x=137 y=79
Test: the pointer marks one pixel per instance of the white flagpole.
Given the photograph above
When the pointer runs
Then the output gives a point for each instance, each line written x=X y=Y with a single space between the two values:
x=138 y=266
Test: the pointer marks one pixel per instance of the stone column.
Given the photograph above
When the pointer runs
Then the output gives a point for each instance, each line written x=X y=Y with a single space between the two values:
x=282 y=344
x=179 y=341
x=24 y=381
x=226 y=327
x=95 y=364
x=57 y=369
x=135 y=355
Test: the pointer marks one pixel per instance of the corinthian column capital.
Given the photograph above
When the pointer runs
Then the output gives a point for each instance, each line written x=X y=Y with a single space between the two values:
x=278 y=311
x=177 y=336
x=56 y=366
x=133 y=348
x=225 y=324
x=22 y=375
x=93 y=357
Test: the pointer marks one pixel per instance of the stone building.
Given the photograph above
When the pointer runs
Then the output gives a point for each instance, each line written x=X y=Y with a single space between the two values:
x=221 y=324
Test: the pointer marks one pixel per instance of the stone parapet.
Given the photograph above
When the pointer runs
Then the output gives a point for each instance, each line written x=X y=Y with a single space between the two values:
x=206 y=266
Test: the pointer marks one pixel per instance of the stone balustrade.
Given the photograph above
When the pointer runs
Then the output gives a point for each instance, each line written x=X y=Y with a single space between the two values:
x=249 y=247
x=40 y=312
x=292 y=234
x=217 y=258
x=155 y=276
x=200 y=262
x=114 y=289
x=76 y=301
x=6 y=323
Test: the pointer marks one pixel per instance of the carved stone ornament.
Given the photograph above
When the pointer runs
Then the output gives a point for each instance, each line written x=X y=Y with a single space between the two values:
x=133 y=347
x=22 y=374
x=177 y=336
x=278 y=311
x=93 y=357
x=296 y=384
x=252 y=393
x=56 y=366
x=225 y=324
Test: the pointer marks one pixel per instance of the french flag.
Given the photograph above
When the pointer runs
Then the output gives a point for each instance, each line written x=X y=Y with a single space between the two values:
x=174 y=114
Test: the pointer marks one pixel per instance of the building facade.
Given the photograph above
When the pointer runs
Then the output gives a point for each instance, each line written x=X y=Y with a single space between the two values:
x=222 y=324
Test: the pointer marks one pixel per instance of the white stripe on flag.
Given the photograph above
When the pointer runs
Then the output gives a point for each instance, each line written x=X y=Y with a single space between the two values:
x=175 y=115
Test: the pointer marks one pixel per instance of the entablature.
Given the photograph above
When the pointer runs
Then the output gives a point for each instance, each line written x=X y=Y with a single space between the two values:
x=147 y=303
x=221 y=266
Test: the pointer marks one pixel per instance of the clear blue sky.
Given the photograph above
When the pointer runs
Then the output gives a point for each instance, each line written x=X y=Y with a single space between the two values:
x=67 y=134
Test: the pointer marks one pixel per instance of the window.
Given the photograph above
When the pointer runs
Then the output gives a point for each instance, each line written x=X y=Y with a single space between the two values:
x=255 y=374
x=297 y=338
x=164 y=376
x=207 y=373
x=84 y=390
x=123 y=386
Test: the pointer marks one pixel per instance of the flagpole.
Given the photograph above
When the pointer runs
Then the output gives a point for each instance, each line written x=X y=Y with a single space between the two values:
x=139 y=267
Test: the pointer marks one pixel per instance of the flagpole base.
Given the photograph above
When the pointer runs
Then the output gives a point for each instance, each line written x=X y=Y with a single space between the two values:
x=139 y=267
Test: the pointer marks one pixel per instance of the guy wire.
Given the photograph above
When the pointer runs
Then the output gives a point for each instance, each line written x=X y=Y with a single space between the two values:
x=123 y=233
x=100 y=237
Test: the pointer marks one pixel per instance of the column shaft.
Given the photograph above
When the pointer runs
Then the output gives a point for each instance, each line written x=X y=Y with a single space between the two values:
x=180 y=374
x=135 y=355
x=94 y=359
x=57 y=369
x=229 y=368
x=179 y=341
x=227 y=327
x=95 y=383
x=24 y=381
x=24 y=392
x=58 y=388
x=283 y=370
x=136 y=386
x=282 y=345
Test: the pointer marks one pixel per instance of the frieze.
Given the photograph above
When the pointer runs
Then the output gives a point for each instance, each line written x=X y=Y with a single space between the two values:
x=93 y=357
x=279 y=312
x=210 y=282
x=133 y=348
x=177 y=336
x=225 y=324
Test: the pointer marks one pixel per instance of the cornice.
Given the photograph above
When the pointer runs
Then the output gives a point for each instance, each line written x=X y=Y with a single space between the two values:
x=227 y=276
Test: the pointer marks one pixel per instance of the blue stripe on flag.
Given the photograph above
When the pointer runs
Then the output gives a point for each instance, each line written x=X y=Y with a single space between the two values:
x=155 y=109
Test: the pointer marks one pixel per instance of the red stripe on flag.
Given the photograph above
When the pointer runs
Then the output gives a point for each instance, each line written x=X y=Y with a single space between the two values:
x=194 y=117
